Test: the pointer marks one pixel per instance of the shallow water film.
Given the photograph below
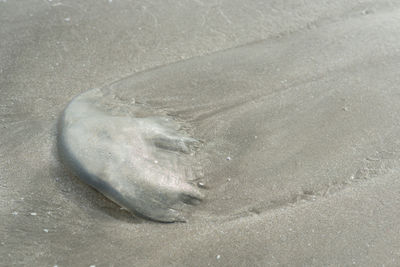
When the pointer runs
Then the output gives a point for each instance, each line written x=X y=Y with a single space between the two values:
x=275 y=130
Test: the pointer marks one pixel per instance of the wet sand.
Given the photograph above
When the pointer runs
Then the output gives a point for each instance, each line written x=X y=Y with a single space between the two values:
x=297 y=106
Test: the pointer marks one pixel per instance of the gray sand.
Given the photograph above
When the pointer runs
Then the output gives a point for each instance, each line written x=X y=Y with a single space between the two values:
x=297 y=105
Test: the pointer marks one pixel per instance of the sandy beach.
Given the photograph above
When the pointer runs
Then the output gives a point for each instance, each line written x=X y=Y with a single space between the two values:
x=296 y=104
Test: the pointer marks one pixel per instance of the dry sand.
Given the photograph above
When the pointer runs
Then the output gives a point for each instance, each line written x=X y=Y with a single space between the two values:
x=302 y=98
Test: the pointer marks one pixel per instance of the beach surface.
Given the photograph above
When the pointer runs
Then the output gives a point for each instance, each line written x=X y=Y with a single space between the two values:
x=296 y=104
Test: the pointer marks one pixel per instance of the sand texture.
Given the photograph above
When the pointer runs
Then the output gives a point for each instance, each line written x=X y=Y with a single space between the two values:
x=296 y=106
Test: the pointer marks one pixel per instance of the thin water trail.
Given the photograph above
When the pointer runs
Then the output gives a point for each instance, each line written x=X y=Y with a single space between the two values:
x=258 y=127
